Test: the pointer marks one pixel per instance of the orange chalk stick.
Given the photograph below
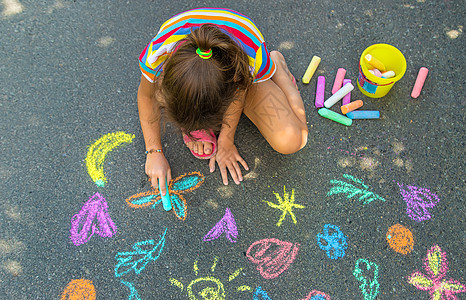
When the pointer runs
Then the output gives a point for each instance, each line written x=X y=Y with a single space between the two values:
x=351 y=106
x=421 y=77
x=375 y=62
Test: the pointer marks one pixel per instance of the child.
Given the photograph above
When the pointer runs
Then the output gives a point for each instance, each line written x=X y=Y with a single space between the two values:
x=205 y=67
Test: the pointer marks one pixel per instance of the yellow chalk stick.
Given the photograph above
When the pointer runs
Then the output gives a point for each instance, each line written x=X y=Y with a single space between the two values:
x=375 y=62
x=315 y=61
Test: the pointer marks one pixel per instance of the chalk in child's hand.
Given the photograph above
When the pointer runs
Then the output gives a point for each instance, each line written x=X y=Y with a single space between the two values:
x=421 y=77
x=338 y=95
x=315 y=61
x=329 y=114
x=375 y=62
x=320 y=92
x=347 y=98
x=363 y=114
x=166 y=202
x=388 y=74
x=351 y=106
x=337 y=84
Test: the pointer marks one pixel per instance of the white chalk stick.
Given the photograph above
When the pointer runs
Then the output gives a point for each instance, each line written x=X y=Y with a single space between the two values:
x=338 y=95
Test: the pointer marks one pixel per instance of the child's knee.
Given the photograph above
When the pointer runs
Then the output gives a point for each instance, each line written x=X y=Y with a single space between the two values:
x=290 y=140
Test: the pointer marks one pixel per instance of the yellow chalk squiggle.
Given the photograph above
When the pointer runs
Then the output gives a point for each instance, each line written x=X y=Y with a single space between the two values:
x=96 y=154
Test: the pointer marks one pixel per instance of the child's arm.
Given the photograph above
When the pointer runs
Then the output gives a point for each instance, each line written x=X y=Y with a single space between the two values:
x=227 y=155
x=157 y=167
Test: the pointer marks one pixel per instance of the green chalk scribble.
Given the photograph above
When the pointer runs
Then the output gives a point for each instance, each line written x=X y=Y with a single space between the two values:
x=369 y=286
x=343 y=187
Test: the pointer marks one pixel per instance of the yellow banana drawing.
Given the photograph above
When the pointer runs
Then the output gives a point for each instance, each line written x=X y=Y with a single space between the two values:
x=96 y=154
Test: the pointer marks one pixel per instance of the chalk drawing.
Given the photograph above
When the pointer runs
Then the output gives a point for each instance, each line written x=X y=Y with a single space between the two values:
x=342 y=187
x=286 y=205
x=144 y=252
x=81 y=289
x=260 y=294
x=369 y=285
x=333 y=241
x=317 y=295
x=436 y=266
x=133 y=292
x=400 y=239
x=92 y=218
x=226 y=224
x=418 y=201
x=178 y=186
x=96 y=154
x=272 y=256
x=208 y=287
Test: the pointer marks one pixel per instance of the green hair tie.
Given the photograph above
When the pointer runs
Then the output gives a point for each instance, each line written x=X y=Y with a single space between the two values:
x=204 y=54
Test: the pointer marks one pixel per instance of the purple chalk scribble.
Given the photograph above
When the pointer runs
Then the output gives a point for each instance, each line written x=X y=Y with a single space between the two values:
x=227 y=224
x=92 y=218
x=418 y=201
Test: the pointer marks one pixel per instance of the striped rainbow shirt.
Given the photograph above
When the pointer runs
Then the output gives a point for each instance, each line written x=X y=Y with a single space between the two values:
x=178 y=27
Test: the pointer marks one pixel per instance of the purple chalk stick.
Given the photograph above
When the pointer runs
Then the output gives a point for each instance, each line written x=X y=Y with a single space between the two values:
x=226 y=224
x=320 y=92
x=418 y=200
x=92 y=218
x=347 y=98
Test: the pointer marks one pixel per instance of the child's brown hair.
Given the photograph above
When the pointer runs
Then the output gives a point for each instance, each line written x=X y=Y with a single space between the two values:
x=197 y=91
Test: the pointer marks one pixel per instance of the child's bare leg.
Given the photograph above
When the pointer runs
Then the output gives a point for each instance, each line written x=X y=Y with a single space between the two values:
x=276 y=108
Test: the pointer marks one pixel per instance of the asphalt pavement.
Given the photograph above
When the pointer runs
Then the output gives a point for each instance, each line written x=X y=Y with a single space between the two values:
x=353 y=215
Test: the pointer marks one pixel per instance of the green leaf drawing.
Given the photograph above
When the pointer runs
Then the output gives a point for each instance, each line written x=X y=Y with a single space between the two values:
x=343 y=187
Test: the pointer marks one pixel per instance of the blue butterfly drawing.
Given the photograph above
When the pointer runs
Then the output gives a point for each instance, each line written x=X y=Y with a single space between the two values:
x=182 y=184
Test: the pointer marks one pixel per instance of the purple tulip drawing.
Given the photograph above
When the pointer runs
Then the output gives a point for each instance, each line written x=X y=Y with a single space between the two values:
x=92 y=218
x=418 y=201
x=227 y=224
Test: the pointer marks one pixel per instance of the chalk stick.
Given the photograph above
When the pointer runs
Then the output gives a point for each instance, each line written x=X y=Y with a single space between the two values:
x=338 y=83
x=375 y=62
x=363 y=114
x=377 y=72
x=421 y=77
x=315 y=61
x=351 y=106
x=166 y=202
x=388 y=74
x=329 y=114
x=338 y=95
x=347 y=98
x=320 y=92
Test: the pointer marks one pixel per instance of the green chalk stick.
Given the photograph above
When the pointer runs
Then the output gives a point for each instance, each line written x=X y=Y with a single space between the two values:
x=329 y=114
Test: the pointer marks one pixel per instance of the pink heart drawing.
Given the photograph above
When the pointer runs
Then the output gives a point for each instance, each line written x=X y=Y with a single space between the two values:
x=272 y=256
x=92 y=218
x=226 y=224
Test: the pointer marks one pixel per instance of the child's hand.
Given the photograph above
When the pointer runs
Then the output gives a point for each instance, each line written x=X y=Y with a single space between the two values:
x=158 y=169
x=227 y=158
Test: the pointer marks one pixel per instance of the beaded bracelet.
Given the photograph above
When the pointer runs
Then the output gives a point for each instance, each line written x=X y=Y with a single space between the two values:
x=154 y=150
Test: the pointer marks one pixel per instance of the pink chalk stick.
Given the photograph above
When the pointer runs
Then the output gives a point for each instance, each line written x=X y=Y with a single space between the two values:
x=320 y=92
x=421 y=77
x=347 y=98
x=338 y=83
x=377 y=73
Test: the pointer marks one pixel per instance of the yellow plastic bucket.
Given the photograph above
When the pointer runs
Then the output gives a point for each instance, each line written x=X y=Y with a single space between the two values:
x=376 y=87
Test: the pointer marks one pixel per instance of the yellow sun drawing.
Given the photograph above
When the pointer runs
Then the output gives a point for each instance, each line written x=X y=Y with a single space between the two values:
x=286 y=205
x=208 y=287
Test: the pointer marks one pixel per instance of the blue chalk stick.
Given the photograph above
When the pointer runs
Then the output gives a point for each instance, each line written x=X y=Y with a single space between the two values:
x=166 y=202
x=363 y=114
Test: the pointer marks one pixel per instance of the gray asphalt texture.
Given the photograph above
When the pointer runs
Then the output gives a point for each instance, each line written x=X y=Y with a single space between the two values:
x=69 y=74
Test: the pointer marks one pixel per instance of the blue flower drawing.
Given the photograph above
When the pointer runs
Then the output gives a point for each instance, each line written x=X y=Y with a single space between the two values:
x=333 y=241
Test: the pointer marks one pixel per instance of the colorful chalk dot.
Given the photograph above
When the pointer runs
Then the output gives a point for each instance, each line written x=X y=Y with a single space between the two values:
x=400 y=239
